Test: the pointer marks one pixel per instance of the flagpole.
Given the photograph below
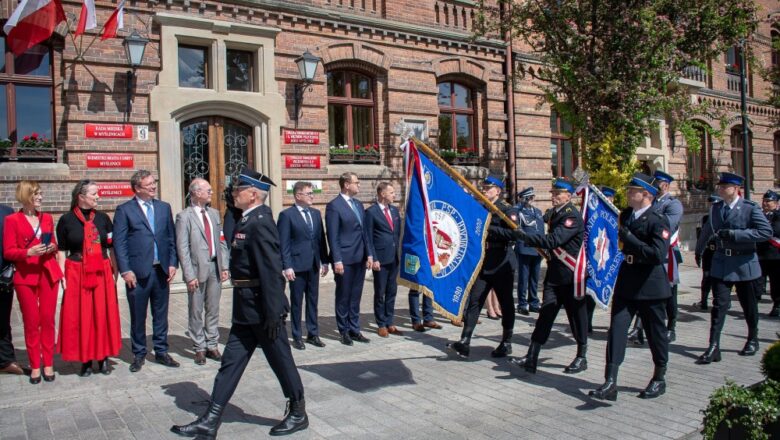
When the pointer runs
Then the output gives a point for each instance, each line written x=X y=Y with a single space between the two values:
x=433 y=156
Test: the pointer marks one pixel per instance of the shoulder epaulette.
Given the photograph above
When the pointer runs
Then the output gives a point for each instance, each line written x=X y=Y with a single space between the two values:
x=750 y=202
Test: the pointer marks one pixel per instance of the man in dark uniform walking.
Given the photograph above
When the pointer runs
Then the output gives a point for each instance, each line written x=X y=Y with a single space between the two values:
x=737 y=225
x=259 y=311
x=497 y=273
x=563 y=240
x=769 y=253
x=642 y=287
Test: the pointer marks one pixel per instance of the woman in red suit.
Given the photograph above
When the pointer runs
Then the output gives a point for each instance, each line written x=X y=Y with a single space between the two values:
x=89 y=315
x=28 y=241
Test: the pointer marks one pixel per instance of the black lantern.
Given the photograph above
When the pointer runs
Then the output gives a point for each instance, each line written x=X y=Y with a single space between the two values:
x=307 y=68
x=135 y=45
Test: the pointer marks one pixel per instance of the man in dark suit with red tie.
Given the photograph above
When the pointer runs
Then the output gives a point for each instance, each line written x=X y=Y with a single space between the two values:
x=145 y=247
x=344 y=217
x=305 y=259
x=383 y=230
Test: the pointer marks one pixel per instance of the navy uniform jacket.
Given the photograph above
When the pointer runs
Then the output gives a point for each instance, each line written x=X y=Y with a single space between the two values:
x=735 y=260
x=645 y=244
x=254 y=255
x=383 y=242
x=301 y=252
x=530 y=220
x=498 y=255
x=565 y=231
x=765 y=250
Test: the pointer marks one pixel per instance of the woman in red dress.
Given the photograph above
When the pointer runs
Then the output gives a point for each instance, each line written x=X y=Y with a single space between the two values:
x=28 y=241
x=89 y=316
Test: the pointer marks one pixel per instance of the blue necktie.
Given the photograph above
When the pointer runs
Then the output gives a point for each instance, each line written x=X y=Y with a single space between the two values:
x=357 y=211
x=150 y=218
x=309 y=223
x=725 y=212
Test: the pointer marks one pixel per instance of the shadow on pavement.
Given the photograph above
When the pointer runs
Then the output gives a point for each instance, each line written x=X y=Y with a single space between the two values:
x=191 y=398
x=364 y=376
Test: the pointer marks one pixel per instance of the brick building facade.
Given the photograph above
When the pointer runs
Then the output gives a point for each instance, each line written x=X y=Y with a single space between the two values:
x=217 y=89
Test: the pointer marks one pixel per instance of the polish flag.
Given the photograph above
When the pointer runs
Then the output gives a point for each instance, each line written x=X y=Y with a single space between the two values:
x=87 y=19
x=114 y=22
x=32 y=22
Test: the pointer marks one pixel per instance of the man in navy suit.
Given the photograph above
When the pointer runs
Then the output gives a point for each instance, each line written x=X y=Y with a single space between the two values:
x=383 y=230
x=304 y=258
x=145 y=247
x=344 y=218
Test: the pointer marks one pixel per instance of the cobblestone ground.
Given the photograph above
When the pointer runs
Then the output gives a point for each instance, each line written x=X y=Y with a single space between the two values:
x=397 y=387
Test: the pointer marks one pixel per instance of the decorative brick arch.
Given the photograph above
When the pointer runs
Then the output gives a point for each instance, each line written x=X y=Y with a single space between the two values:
x=364 y=55
x=458 y=66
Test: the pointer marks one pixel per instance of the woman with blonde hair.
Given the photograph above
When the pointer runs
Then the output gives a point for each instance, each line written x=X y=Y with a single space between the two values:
x=29 y=243
x=89 y=315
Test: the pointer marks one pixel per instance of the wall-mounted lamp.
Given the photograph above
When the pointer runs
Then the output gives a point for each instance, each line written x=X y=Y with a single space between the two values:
x=307 y=68
x=135 y=45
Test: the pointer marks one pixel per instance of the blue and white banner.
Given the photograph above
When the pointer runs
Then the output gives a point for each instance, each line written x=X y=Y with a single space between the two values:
x=600 y=244
x=443 y=235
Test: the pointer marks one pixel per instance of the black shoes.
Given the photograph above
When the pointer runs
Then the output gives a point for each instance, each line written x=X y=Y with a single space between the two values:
x=580 y=363
x=103 y=367
x=295 y=419
x=35 y=380
x=315 y=341
x=205 y=427
x=504 y=347
x=637 y=336
x=137 y=364
x=657 y=385
x=166 y=359
x=702 y=305
x=529 y=362
x=358 y=337
x=461 y=348
x=298 y=344
x=671 y=335
x=86 y=369
x=523 y=311
x=750 y=348
x=47 y=378
x=711 y=355
x=345 y=339
x=607 y=391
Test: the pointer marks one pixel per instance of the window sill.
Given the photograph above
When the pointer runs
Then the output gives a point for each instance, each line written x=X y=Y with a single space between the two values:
x=38 y=169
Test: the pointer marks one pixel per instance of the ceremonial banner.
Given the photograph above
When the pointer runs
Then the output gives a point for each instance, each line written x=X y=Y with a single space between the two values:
x=443 y=235
x=600 y=244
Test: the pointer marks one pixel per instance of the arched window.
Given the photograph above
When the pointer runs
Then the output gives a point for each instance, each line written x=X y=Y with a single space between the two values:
x=563 y=153
x=699 y=163
x=26 y=105
x=351 y=113
x=457 y=138
x=738 y=152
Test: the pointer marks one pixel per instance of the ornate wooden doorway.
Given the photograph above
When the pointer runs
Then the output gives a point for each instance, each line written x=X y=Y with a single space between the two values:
x=215 y=149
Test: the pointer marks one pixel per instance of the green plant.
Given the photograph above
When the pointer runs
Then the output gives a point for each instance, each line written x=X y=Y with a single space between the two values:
x=770 y=362
x=448 y=154
x=751 y=408
x=6 y=143
x=35 y=141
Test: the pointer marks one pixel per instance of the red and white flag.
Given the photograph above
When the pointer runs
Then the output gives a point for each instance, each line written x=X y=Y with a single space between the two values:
x=32 y=22
x=87 y=19
x=114 y=22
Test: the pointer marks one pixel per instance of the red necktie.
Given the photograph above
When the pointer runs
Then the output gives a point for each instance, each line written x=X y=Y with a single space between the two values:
x=207 y=228
x=387 y=216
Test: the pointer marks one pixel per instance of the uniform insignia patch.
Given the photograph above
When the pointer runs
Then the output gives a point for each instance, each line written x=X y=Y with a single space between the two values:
x=244 y=219
x=240 y=236
x=568 y=209
x=665 y=234
x=569 y=222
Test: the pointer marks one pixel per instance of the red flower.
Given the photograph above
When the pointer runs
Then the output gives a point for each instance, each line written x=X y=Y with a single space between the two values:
x=26 y=138
x=35 y=135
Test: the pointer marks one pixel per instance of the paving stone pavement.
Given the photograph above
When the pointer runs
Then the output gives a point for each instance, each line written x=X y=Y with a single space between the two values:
x=398 y=387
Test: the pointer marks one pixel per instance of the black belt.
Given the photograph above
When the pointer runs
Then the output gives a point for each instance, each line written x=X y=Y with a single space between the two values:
x=735 y=252
x=631 y=259
x=79 y=257
x=246 y=283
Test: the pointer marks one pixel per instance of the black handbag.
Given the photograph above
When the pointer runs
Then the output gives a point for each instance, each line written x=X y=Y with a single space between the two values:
x=7 y=273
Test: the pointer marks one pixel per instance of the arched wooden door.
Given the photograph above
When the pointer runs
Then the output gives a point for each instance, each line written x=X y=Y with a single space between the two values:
x=215 y=149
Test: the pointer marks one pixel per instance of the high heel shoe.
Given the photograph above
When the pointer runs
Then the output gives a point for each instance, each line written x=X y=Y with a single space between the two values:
x=48 y=378
x=35 y=380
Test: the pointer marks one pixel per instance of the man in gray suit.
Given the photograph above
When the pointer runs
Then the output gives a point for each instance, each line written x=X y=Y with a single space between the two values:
x=203 y=255
x=736 y=225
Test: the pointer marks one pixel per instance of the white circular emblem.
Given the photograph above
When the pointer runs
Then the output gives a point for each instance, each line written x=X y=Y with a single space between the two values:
x=450 y=238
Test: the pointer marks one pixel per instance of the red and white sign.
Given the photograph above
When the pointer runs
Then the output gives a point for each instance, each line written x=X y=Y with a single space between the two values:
x=110 y=160
x=115 y=189
x=108 y=131
x=301 y=137
x=302 y=162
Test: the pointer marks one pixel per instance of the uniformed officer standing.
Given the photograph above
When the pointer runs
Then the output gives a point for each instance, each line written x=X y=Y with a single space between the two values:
x=259 y=310
x=704 y=261
x=563 y=240
x=672 y=208
x=497 y=273
x=642 y=287
x=769 y=252
x=737 y=225
x=529 y=262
